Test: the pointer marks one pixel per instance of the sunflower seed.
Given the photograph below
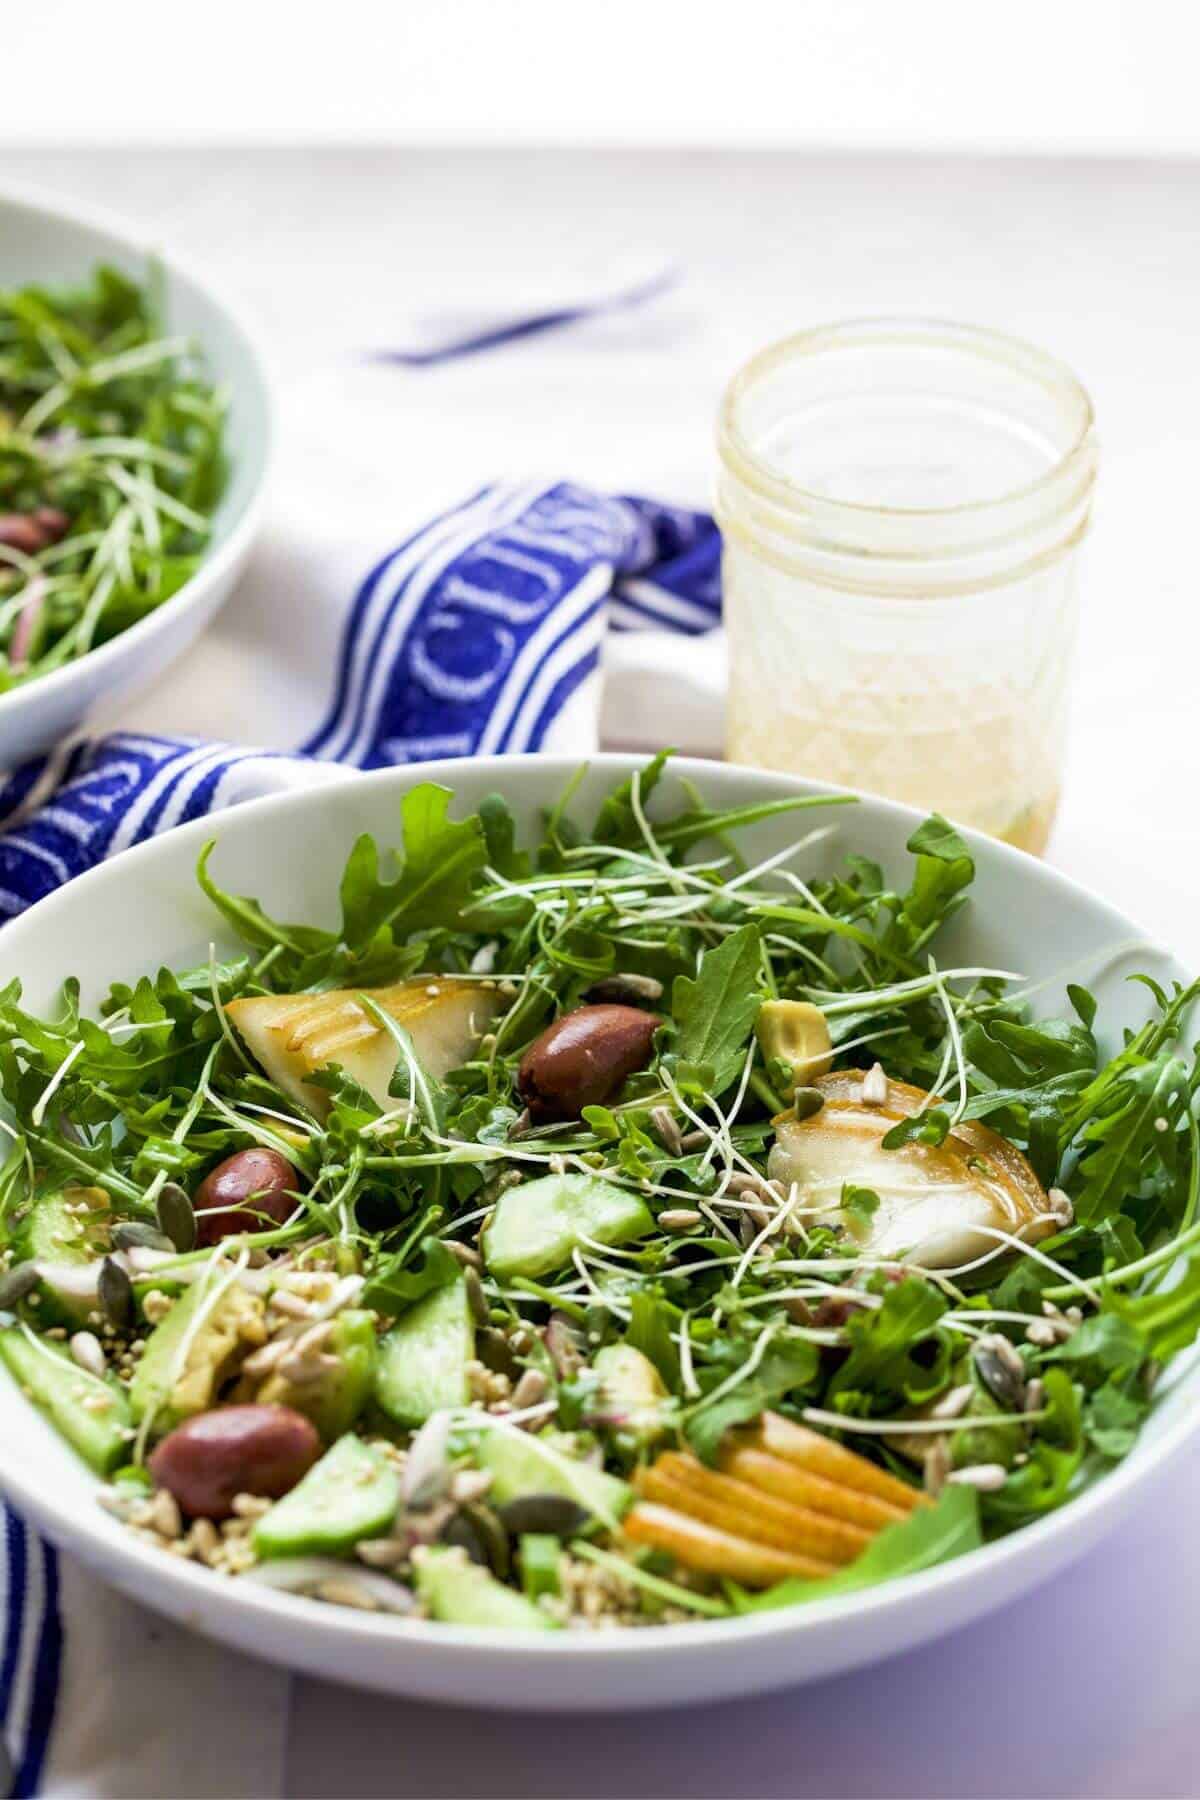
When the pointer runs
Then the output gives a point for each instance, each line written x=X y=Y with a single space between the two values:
x=382 y=1553
x=87 y=1351
x=531 y=1388
x=664 y=1122
x=176 y=1217
x=988 y=1478
x=132 y=1235
x=1035 y=1395
x=115 y=1293
x=680 y=1218
x=874 y=1087
x=622 y=988
x=551 y=1513
x=937 y=1466
x=426 y=1469
x=16 y=1282
x=469 y=1484
x=953 y=1403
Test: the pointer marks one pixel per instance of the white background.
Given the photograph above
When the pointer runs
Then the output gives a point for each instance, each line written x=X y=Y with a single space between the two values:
x=1091 y=75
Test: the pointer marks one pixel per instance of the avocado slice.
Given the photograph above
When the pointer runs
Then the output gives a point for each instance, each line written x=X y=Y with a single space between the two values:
x=334 y=1403
x=632 y=1389
x=91 y=1412
x=521 y=1464
x=536 y=1227
x=194 y=1351
x=352 y=1493
x=423 y=1358
x=460 y=1592
x=66 y=1230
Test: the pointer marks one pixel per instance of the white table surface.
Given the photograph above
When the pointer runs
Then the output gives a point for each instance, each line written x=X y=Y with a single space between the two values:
x=1087 y=1688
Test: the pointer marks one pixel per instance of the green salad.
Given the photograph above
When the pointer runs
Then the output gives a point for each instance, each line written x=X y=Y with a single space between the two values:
x=111 y=465
x=602 y=1232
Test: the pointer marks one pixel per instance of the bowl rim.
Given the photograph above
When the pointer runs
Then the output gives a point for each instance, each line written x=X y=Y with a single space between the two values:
x=107 y=1540
x=227 y=555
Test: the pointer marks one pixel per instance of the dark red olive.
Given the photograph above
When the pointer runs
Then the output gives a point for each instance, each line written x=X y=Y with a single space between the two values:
x=583 y=1058
x=250 y=1191
x=208 y=1460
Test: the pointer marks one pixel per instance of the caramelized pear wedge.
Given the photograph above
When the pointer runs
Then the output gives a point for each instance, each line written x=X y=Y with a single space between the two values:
x=703 y=1547
x=295 y=1035
x=735 y=1506
x=783 y=1494
x=820 y=1456
x=933 y=1199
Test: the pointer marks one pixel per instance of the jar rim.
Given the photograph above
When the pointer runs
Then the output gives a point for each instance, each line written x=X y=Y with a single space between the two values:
x=891 y=331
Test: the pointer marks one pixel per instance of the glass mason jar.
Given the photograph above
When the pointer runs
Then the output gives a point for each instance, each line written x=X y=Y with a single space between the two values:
x=902 y=504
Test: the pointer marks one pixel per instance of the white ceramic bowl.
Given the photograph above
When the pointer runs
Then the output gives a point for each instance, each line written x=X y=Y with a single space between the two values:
x=143 y=910
x=41 y=241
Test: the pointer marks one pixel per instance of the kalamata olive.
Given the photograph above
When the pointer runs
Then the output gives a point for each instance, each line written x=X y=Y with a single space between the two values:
x=260 y=1450
x=582 y=1059
x=249 y=1191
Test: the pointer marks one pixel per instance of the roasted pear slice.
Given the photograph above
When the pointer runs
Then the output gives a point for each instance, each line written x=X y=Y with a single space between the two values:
x=710 y=1551
x=933 y=1200
x=295 y=1035
x=683 y=1482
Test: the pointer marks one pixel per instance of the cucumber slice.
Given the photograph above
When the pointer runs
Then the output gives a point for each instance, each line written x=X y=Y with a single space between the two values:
x=334 y=1402
x=90 y=1412
x=521 y=1464
x=541 y=1561
x=535 y=1227
x=352 y=1493
x=66 y=1230
x=423 y=1359
x=459 y=1592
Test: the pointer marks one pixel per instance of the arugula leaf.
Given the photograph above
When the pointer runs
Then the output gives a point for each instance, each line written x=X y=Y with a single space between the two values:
x=499 y=835
x=1105 y=1343
x=652 y=1319
x=1166 y=1321
x=1113 y=1417
x=616 y=822
x=882 y=1345
x=945 y=867
x=785 y=1368
x=441 y=859
x=929 y=1536
x=394 y=1288
x=1116 y=1144
x=715 y=1011
x=252 y=923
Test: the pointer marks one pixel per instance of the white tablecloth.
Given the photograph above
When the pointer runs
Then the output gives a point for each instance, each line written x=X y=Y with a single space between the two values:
x=1086 y=1688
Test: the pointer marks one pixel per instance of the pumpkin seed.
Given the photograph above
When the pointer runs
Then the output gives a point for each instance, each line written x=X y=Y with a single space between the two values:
x=478 y=1531
x=177 y=1217
x=553 y=1514
x=496 y=1353
x=1001 y=1371
x=476 y=1298
x=623 y=988
x=132 y=1235
x=115 y=1292
x=808 y=1101
x=16 y=1282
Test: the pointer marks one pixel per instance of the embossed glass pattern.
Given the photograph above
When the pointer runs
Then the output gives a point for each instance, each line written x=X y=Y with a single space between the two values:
x=902 y=505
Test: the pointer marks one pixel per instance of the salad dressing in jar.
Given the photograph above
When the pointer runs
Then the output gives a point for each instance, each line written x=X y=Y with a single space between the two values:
x=902 y=505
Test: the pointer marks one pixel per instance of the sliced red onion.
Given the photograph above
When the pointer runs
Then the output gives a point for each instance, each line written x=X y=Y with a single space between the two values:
x=26 y=625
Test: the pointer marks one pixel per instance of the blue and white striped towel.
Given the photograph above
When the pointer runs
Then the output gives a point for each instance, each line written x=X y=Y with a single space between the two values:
x=482 y=631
